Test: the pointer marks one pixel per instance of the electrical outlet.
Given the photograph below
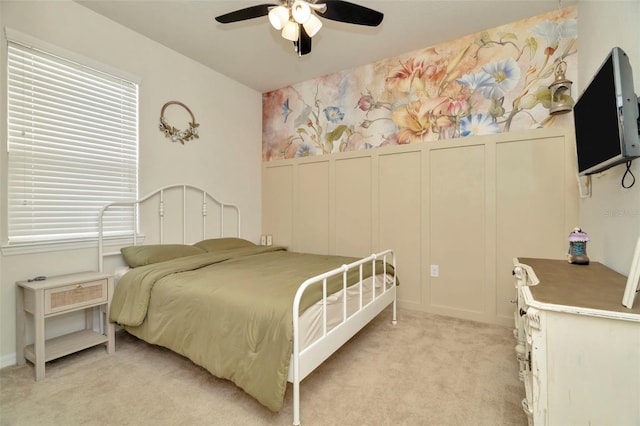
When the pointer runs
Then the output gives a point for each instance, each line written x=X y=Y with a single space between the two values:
x=263 y=240
x=269 y=239
x=435 y=270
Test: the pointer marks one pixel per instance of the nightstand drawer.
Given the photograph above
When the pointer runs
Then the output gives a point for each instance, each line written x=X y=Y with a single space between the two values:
x=74 y=296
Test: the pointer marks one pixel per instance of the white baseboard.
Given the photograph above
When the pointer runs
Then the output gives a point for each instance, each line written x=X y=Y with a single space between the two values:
x=8 y=360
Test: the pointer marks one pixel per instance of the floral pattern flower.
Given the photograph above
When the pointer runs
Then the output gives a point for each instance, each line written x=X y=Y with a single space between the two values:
x=478 y=124
x=504 y=76
x=333 y=114
x=554 y=32
x=485 y=83
x=286 y=110
x=474 y=81
x=366 y=103
x=457 y=107
x=421 y=120
x=403 y=75
x=304 y=150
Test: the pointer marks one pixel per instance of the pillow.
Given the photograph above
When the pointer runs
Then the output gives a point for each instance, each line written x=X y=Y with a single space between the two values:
x=216 y=244
x=146 y=255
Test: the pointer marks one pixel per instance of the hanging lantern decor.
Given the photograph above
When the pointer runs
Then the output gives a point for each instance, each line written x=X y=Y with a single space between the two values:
x=578 y=247
x=560 y=90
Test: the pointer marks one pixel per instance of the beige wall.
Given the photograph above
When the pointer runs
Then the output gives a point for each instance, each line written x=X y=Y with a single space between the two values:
x=467 y=205
x=225 y=160
x=508 y=197
x=611 y=216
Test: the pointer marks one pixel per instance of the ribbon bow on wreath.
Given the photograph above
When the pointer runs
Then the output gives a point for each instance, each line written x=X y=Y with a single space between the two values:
x=176 y=134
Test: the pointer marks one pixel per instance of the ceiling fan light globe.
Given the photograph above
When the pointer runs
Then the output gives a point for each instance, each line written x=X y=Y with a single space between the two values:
x=279 y=16
x=300 y=11
x=312 y=26
x=291 y=31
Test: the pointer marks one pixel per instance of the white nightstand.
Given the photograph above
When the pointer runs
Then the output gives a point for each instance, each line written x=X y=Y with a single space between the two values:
x=60 y=295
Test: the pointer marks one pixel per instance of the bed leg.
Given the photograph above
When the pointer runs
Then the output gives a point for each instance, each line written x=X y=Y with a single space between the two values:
x=296 y=403
x=394 y=319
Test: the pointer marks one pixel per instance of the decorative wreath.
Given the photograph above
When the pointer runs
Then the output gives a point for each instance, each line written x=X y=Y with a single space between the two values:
x=176 y=134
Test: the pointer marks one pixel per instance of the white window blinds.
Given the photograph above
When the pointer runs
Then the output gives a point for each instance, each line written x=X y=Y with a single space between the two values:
x=73 y=147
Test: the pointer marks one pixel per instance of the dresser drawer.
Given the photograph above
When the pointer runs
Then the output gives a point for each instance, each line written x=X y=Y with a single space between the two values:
x=74 y=296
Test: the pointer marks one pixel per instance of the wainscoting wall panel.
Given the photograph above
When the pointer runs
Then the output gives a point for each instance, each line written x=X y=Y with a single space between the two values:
x=353 y=207
x=466 y=205
x=457 y=198
x=399 y=219
x=530 y=206
x=277 y=203
x=311 y=221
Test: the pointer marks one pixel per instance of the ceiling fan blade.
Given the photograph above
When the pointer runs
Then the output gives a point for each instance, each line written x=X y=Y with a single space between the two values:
x=246 y=13
x=343 y=11
x=303 y=45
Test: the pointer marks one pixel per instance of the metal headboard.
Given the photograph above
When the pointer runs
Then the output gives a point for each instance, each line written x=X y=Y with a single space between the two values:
x=135 y=204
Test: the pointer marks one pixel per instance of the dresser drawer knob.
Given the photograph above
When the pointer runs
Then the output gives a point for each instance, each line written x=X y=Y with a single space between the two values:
x=78 y=285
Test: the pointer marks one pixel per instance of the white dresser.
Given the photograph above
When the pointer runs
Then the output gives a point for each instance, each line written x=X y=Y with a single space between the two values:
x=578 y=346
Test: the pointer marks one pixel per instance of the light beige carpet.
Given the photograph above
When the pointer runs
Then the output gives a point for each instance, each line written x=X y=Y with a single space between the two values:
x=426 y=370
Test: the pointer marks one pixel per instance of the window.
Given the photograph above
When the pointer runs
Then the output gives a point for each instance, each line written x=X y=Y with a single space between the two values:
x=73 y=147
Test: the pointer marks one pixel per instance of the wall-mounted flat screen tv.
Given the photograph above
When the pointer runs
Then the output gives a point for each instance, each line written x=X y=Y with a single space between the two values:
x=606 y=117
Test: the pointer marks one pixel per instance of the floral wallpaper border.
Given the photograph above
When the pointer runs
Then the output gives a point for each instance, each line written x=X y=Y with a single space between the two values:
x=490 y=82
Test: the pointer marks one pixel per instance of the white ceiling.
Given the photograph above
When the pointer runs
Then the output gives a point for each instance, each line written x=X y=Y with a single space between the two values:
x=253 y=53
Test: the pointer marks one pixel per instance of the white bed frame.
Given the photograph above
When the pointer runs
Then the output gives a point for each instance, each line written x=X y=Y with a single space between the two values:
x=303 y=361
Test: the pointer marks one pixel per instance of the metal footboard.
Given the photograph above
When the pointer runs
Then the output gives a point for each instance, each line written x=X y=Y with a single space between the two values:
x=304 y=361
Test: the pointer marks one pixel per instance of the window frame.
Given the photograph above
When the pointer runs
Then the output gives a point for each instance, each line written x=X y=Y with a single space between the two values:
x=20 y=247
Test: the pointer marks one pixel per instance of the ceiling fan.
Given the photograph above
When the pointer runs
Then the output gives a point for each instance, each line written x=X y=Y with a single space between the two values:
x=298 y=20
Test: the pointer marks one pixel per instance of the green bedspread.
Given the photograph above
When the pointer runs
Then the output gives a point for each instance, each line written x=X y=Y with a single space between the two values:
x=228 y=311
